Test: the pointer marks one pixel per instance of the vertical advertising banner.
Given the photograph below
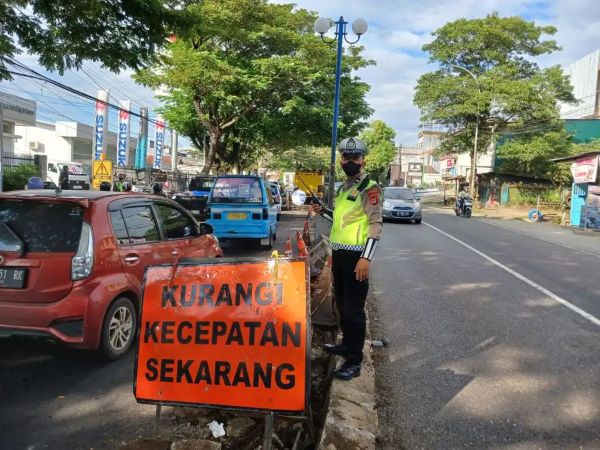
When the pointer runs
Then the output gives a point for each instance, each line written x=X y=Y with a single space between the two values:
x=142 y=143
x=123 y=137
x=101 y=126
x=159 y=141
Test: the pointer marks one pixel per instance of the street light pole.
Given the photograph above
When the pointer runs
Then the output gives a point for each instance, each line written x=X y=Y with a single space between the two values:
x=322 y=25
x=474 y=159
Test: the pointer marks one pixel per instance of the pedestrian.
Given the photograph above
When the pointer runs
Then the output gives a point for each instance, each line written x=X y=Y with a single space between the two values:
x=119 y=185
x=105 y=186
x=63 y=180
x=356 y=229
x=157 y=189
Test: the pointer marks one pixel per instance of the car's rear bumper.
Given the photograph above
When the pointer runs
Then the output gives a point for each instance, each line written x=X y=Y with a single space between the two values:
x=233 y=230
x=396 y=215
x=75 y=320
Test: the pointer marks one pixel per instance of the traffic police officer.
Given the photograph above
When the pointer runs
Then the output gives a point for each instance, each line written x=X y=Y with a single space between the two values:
x=355 y=233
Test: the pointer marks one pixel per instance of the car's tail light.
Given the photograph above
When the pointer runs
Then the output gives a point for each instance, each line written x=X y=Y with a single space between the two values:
x=83 y=261
x=265 y=213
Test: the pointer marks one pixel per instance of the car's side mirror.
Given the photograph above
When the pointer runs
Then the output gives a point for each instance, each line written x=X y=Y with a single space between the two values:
x=205 y=228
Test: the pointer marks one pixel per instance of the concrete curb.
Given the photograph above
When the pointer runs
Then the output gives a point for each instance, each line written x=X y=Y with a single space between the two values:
x=351 y=421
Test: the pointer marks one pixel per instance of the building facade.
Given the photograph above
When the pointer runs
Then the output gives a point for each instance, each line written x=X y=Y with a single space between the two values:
x=16 y=112
x=585 y=78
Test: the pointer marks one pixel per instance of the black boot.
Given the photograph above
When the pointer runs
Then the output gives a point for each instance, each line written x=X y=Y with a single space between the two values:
x=347 y=371
x=339 y=350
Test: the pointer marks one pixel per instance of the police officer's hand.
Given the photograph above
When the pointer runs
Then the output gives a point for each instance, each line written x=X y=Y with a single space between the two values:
x=362 y=269
x=317 y=209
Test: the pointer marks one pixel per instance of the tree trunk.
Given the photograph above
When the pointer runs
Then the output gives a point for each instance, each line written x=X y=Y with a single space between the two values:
x=215 y=137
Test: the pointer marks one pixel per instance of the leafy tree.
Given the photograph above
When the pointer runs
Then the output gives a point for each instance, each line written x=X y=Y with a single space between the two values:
x=379 y=138
x=256 y=78
x=301 y=158
x=118 y=33
x=507 y=91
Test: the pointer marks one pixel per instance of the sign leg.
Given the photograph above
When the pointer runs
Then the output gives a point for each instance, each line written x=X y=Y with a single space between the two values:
x=157 y=418
x=268 y=441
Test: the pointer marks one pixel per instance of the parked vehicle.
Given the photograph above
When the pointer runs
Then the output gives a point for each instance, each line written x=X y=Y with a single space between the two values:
x=72 y=264
x=400 y=203
x=277 y=198
x=196 y=197
x=466 y=209
x=242 y=206
x=310 y=181
x=79 y=179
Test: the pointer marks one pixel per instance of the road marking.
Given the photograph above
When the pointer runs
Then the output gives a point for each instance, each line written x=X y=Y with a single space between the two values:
x=583 y=252
x=523 y=278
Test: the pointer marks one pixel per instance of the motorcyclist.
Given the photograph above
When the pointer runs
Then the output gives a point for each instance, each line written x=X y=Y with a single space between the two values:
x=462 y=195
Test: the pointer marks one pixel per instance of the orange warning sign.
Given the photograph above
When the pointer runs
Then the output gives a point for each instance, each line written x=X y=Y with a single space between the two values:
x=225 y=333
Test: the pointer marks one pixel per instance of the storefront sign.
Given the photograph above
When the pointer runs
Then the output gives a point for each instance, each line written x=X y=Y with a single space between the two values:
x=101 y=126
x=123 y=137
x=18 y=110
x=225 y=333
x=160 y=137
x=585 y=170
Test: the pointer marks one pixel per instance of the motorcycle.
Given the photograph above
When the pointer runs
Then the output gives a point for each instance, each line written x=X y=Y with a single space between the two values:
x=467 y=207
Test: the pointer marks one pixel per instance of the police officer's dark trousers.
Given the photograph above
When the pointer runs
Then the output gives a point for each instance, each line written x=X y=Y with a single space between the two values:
x=350 y=297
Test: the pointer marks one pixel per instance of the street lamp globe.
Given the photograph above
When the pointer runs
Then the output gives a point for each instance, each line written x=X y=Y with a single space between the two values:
x=322 y=25
x=360 y=27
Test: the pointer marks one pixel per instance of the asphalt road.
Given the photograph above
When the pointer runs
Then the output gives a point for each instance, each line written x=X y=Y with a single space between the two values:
x=57 y=398
x=492 y=346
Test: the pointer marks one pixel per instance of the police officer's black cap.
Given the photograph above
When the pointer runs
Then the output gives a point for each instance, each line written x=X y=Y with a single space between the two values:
x=352 y=146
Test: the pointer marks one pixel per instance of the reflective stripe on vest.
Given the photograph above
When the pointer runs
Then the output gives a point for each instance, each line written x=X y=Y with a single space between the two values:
x=350 y=222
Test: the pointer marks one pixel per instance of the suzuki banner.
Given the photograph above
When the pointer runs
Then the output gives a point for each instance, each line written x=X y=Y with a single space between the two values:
x=101 y=126
x=159 y=141
x=142 y=143
x=585 y=170
x=123 y=137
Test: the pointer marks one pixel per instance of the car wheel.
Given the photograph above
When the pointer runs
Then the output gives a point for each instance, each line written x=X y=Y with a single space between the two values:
x=266 y=244
x=418 y=221
x=119 y=329
x=278 y=217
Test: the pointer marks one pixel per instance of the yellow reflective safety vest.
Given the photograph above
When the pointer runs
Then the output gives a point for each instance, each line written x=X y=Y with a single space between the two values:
x=350 y=228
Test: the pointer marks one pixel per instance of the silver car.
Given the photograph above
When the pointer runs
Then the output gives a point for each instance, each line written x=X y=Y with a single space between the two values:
x=401 y=204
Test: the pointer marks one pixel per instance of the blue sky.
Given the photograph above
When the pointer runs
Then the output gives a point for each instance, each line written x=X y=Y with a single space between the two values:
x=398 y=29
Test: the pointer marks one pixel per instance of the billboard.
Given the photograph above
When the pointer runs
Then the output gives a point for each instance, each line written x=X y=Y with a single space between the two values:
x=123 y=136
x=101 y=126
x=585 y=170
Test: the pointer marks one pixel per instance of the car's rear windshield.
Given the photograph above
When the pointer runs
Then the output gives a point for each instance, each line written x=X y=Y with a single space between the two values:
x=398 y=194
x=41 y=226
x=237 y=190
x=199 y=184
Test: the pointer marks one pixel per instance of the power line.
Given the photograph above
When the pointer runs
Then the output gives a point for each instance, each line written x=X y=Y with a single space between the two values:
x=72 y=90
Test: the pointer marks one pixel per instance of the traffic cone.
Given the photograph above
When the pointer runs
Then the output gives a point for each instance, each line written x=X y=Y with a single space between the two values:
x=288 y=247
x=302 y=252
x=306 y=233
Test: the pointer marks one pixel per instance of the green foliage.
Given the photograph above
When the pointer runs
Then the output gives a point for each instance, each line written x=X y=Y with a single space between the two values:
x=527 y=196
x=17 y=177
x=508 y=92
x=301 y=158
x=253 y=76
x=118 y=33
x=379 y=138
x=526 y=154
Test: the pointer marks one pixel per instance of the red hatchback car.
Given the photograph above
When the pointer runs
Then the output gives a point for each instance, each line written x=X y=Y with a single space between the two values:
x=72 y=263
